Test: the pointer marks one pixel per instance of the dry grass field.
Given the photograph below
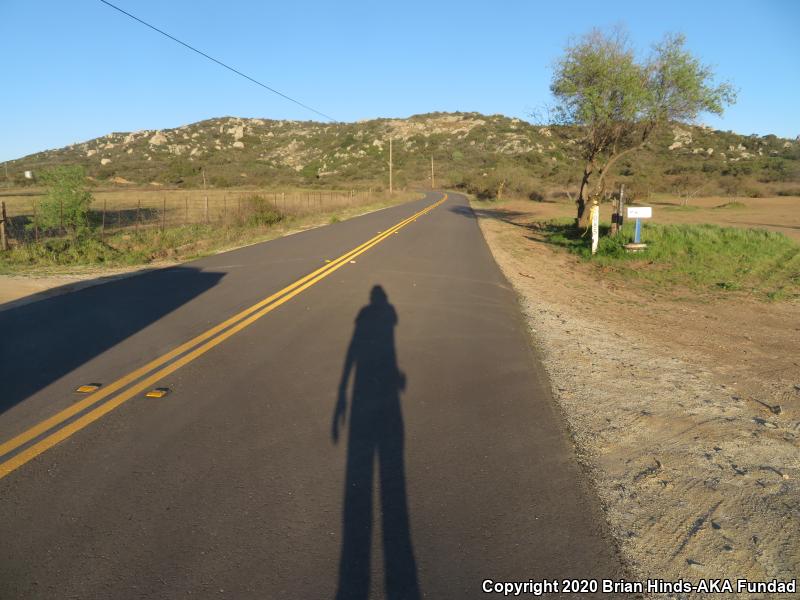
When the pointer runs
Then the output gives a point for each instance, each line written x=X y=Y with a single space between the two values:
x=114 y=209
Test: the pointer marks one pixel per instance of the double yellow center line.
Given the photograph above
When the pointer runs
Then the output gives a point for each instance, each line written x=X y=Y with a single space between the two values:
x=154 y=371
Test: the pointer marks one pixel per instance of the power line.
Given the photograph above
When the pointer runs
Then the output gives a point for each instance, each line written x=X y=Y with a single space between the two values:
x=219 y=62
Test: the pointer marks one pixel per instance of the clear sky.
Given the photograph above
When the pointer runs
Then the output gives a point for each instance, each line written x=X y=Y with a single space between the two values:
x=76 y=70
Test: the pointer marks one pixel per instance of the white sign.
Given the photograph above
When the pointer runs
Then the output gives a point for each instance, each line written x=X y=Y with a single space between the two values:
x=640 y=212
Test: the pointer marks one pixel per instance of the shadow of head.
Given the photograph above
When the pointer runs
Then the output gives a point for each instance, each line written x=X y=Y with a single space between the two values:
x=377 y=296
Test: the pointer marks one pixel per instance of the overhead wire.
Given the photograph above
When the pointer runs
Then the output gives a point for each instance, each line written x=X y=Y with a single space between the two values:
x=219 y=62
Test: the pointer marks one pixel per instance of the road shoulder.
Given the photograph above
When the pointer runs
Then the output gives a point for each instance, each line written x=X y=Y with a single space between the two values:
x=698 y=477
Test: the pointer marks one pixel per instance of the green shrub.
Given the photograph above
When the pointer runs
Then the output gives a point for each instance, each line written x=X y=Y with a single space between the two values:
x=536 y=196
x=60 y=251
x=66 y=202
x=262 y=212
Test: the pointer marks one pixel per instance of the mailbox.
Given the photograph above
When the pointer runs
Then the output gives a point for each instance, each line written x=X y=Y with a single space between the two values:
x=640 y=212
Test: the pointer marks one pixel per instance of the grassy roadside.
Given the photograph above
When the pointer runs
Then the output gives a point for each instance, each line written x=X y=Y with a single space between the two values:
x=710 y=257
x=181 y=243
x=701 y=257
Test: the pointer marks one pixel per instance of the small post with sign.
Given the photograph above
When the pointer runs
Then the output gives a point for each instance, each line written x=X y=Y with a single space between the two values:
x=595 y=218
x=638 y=213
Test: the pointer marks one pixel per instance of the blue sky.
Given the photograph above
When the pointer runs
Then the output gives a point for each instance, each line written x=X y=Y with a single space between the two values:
x=77 y=70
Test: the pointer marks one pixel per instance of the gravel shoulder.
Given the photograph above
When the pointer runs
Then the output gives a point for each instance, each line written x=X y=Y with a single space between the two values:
x=684 y=408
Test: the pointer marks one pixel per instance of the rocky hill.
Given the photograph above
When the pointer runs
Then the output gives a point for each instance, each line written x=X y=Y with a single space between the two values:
x=485 y=154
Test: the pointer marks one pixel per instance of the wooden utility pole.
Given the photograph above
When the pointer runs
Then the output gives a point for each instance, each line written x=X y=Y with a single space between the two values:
x=433 y=180
x=206 y=193
x=390 y=167
x=36 y=222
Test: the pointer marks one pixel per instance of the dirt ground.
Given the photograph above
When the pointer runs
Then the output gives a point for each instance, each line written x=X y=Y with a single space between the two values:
x=780 y=213
x=685 y=413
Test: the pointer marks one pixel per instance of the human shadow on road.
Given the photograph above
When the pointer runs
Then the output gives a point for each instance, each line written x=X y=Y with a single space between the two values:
x=375 y=435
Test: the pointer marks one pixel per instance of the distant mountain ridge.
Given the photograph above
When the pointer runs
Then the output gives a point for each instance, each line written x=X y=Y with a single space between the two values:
x=469 y=150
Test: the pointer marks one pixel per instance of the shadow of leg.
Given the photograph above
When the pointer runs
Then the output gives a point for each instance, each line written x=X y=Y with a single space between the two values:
x=354 y=565
x=400 y=566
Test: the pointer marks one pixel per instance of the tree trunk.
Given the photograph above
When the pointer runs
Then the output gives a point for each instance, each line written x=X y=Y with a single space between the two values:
x=582 y=203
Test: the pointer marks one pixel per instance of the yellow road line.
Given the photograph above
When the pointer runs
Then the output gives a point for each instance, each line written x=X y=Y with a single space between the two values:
x=241 y=321
x=105 y=391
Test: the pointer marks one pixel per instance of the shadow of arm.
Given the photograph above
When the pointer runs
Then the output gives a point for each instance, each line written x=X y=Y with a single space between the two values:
x=340 y=411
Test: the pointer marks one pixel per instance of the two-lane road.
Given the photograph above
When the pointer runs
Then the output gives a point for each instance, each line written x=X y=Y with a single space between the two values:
x=353 y=411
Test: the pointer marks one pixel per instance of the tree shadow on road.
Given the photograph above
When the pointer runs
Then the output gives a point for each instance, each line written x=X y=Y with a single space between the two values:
x=45 y=340
x=502 y=214
x=375 y=435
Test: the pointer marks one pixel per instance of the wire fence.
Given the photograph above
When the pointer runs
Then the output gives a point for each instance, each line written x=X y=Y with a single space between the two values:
x=111 y=212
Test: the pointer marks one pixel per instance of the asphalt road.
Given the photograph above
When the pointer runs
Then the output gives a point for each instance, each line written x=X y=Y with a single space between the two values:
x=384 y=432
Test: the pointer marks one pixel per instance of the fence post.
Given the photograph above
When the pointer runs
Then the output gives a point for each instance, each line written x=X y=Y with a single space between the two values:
x=138 y=213
x=163 y=211
x=103 y=226
x=206 y=208
x=61 y=214
x=3 y=238
x=616 y=211
x=225 y=208
x=186 y=209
